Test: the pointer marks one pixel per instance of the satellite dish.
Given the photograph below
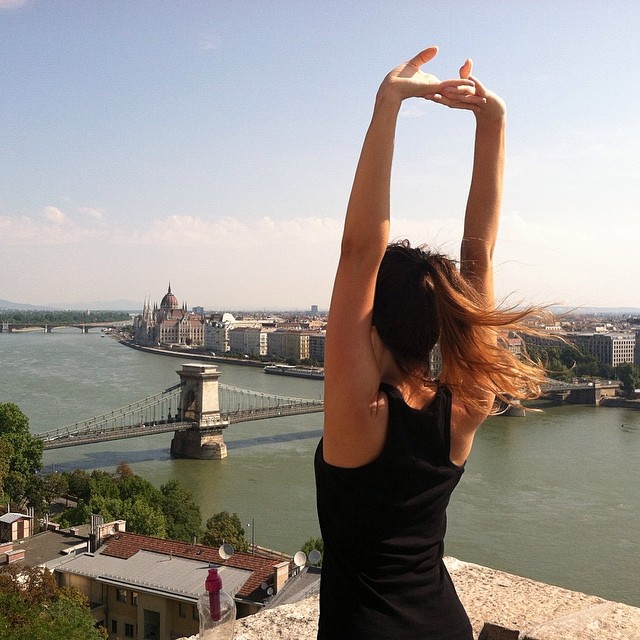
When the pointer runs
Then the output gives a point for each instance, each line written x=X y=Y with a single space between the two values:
x=300 y=559
x=225 y=551
x=270 y=591
x=314 y=557
x=264 y=586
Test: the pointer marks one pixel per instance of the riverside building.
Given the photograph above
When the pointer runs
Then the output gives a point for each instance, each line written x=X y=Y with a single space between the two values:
x=167 y=325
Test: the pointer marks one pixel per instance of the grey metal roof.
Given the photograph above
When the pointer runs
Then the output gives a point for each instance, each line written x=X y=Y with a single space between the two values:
x=305 y=584
x=10 y=518
x=145 y=571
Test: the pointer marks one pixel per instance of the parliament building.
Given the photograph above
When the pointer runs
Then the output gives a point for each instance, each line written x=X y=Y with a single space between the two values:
x=167 y=325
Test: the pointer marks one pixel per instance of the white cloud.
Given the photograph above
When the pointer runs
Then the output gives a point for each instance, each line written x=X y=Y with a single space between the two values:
x=53 y=214
x=243 y=233
x=12 y=4
x=91 y=212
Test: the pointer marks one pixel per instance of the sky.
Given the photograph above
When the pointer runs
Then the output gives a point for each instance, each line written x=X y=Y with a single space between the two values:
x=212 y=145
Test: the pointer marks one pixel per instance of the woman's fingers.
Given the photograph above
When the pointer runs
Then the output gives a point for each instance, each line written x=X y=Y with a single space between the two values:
x=480 y=88
x=423 y=57
x=466 y=68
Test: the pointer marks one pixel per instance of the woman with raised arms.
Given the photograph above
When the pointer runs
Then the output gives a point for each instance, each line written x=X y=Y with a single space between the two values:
x=396 y=437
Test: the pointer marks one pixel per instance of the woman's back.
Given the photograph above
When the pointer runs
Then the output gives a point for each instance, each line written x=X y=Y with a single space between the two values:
x=383 y=526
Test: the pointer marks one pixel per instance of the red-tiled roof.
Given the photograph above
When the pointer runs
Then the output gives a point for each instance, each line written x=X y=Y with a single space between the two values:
x=125 y=544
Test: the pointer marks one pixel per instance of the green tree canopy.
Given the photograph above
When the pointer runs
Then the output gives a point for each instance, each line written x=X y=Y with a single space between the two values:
x=24 y=451
x=78 y=481
x=183 y=516
x=170 y=511
x=5 y=450
x=313 y=543
x=33 y=607
x=225 y=527
x=629 y=375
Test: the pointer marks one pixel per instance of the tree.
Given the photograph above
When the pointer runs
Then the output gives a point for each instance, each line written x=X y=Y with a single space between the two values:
x=33 y=607
x=4 y=465
x=25 y=450
x=143 y=518
x=40 y=490
x=78 y=484
x=313 y=544
x=629 y=375
x=183 y=516
x=225 y=527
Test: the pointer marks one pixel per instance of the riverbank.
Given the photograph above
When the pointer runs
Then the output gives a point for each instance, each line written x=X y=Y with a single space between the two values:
x=622 y=403
x=191 y=354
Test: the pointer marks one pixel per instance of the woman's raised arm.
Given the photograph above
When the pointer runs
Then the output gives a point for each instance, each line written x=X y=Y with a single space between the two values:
x=352 y=373
x=485 y=194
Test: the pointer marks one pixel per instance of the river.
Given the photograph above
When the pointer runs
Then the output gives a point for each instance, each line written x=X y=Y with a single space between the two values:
x=554 y=496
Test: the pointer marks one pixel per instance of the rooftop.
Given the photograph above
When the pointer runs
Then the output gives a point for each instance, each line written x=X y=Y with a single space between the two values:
x=246 y=571
x=44 y=547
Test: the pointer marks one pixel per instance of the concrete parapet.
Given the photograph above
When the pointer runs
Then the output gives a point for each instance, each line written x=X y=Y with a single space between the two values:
x=501 y=606
x=499 y=602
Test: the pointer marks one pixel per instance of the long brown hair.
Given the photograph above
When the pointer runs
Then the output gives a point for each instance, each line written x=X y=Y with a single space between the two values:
x=422 y=299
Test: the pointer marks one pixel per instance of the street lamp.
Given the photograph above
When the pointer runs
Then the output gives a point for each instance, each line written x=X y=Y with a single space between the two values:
x=252 y=525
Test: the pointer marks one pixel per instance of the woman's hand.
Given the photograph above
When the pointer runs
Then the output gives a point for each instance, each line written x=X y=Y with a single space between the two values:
x=489 y=106
x=408 y=81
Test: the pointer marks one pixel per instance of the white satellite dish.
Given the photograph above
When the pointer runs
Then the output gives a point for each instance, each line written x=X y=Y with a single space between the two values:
x=225 y=551
x=300 y=559
x=314 y=557
x=270 y=591
x=264 y=586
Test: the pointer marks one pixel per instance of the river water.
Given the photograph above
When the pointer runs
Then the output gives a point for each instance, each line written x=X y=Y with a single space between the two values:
x=554 y=496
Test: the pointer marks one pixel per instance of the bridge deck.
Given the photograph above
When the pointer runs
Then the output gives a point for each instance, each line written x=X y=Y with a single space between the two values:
x=137 y=430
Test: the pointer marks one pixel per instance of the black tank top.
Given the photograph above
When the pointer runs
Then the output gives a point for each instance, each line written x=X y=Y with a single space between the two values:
x=383 y=526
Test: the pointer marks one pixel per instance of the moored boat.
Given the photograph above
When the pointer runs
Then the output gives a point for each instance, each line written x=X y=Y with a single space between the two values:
x=314 y=373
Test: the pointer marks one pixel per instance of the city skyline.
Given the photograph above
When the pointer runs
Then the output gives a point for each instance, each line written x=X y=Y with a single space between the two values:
x=213 y=145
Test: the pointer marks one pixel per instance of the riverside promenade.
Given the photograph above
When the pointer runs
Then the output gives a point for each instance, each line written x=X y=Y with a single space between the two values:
x=501 y=606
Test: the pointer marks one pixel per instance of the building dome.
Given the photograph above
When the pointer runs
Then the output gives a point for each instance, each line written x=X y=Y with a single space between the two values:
x=169 y=301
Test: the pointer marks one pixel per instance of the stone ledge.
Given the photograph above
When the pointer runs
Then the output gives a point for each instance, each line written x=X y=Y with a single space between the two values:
x=538 y=611
x=501 y=606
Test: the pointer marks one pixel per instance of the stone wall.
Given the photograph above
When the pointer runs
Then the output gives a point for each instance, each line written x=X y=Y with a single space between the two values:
x=501 y=607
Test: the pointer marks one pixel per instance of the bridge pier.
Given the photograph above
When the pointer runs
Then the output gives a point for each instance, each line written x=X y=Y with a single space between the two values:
x=200 y=404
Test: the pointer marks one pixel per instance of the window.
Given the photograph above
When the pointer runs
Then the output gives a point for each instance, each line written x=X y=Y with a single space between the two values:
x=121 y=595
x=134 y=598
x=182 y=609
x=114 y=626
x=194 y=613
x=128 y=630
x=151 y=624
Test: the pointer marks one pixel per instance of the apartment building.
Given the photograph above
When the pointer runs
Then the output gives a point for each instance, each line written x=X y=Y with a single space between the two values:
x=316 y=346
x=612 y=348
x=249 y=340
x=141 y=587
x=288 y=344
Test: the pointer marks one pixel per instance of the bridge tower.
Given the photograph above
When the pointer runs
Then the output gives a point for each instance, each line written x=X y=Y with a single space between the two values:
x=200 y=404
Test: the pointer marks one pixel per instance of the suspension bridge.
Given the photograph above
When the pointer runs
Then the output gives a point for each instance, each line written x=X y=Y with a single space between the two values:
x=197 y=410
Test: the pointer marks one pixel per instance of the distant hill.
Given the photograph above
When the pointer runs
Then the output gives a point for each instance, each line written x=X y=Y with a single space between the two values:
x=6 y=304
x=103 y=305
x=598 y=311
x=99 y=305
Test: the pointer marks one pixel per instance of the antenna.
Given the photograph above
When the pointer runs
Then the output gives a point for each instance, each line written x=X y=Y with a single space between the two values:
x=315 y=557
x=226 y=551
x=300 y=559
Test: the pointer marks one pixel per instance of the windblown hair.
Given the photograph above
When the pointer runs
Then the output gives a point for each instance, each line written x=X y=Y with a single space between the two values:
x=421 y=299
